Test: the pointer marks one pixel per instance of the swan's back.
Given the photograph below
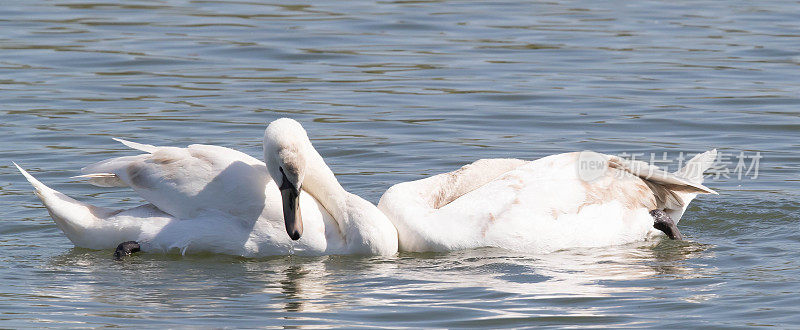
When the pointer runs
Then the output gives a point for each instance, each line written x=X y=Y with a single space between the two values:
x=539 y=206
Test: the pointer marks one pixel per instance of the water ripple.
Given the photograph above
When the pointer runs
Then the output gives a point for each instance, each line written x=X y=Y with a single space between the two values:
x=392 y=91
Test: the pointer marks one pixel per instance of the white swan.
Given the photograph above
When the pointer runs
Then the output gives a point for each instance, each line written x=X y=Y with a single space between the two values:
x=213 y=199
x=544 y=205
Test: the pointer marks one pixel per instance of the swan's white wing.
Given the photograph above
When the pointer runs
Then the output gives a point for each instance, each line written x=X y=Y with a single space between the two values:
x=184 y=181
x=656 y=174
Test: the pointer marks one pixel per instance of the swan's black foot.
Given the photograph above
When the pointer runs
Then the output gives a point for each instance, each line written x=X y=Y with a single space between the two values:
x=126 y=249
x=664 y=223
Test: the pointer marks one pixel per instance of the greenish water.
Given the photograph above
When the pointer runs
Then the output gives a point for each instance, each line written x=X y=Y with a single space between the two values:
x=391 y=92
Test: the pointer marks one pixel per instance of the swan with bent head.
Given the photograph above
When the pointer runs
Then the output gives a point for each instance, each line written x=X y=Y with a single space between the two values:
x=213 y=199
x=296 y=166
x=544 y=205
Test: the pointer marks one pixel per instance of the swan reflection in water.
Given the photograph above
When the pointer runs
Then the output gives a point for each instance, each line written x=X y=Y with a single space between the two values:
x=289 y=288
x=575 y=272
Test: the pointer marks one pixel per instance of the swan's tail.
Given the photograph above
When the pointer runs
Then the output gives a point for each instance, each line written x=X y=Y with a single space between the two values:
x=693 y=172
x=76 y=219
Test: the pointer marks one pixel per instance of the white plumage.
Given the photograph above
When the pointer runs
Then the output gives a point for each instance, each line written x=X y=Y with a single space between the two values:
x=539 y=206
x=219 y=200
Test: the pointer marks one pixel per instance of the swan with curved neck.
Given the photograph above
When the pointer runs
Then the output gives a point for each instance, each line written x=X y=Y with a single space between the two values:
x=212 y=199
x=295 y=165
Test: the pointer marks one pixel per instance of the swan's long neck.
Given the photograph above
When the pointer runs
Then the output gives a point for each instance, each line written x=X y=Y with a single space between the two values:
x=322 y=184
x=364 y=228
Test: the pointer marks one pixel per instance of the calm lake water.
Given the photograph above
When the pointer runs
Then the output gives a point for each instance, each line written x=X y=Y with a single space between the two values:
x=395 y=91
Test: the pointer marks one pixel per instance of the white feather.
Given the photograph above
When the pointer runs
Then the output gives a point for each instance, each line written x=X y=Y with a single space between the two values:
x=539 y=206
x=215 y=199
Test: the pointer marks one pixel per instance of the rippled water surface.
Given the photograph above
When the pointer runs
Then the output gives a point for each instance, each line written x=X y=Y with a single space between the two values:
x=396 y=91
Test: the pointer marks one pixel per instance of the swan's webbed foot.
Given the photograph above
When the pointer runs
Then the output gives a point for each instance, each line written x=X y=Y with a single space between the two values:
x=664 y=223
x=125 y=249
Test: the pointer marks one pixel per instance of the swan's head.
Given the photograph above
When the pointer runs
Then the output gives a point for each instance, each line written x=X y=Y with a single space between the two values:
x=285 y=149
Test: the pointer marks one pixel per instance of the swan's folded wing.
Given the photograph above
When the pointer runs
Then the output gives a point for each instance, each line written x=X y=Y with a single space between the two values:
x=670 y=188
x=183 y=181
x=655 y=174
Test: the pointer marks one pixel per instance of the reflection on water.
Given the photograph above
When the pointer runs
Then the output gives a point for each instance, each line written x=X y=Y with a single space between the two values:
x=585 y=272
x=292 y=292
x=325 y=287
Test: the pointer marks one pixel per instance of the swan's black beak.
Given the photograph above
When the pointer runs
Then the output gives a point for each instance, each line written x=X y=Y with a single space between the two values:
x=291 y=208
